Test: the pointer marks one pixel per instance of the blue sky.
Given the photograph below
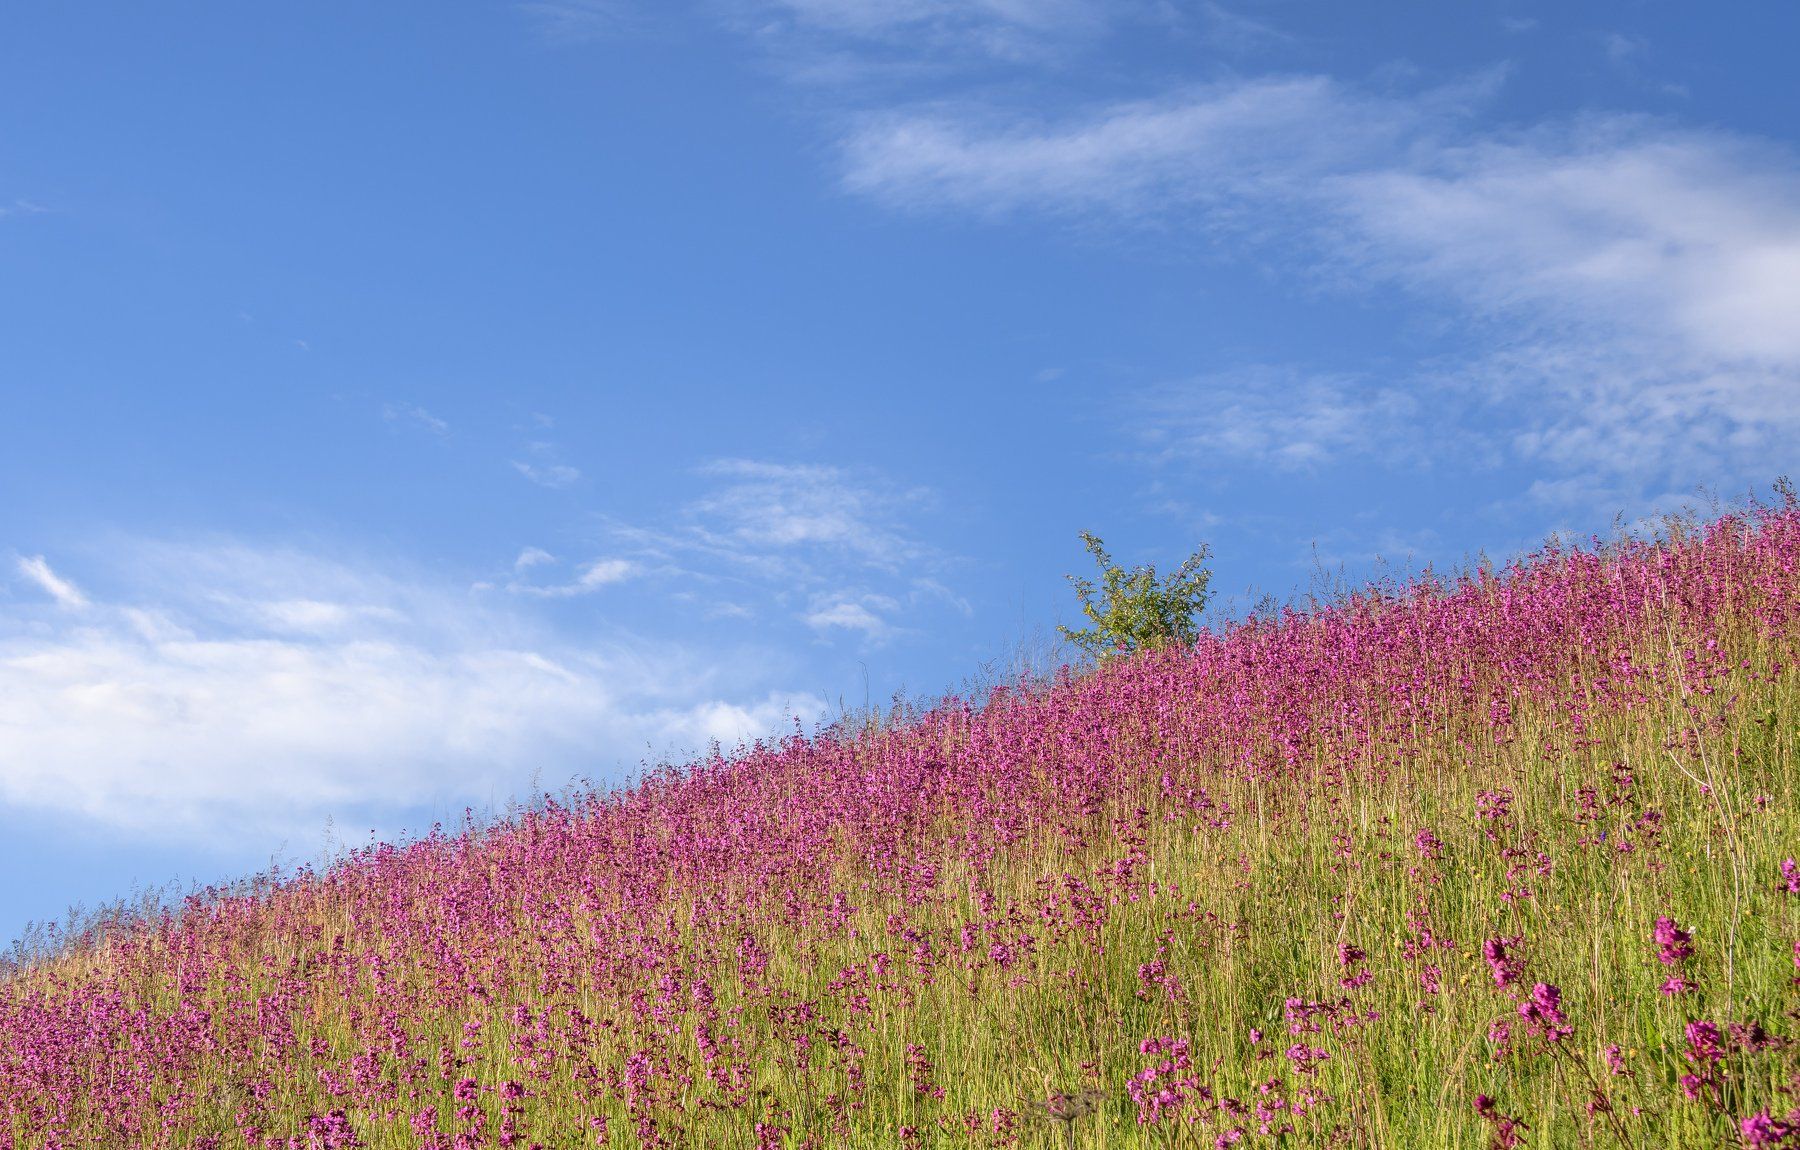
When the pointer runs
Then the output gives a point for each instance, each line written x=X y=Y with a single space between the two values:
x=400 y=402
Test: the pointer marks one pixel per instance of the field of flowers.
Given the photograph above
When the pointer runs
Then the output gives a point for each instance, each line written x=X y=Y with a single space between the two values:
x=1500 y=860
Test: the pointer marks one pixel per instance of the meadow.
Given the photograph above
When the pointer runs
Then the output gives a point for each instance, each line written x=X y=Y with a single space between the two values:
x=1500 y=859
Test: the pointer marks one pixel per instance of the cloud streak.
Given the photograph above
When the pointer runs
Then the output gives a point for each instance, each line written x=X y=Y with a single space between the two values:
x=233 y=691
x=592 y=576
x=571 y=22
x=836 y=41
x=853 y=614
x=779 y=508
x=416 y=416
x=551 y=475
x=37 y=571
x=1277 y=416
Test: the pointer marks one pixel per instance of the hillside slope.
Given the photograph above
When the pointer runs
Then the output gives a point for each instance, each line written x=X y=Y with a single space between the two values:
x=1491 y=861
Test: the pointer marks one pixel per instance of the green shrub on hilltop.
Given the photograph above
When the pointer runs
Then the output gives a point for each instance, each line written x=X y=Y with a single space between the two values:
x=1133 y=610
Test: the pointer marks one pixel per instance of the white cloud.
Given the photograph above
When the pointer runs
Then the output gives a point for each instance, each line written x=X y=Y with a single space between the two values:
x=312 y=616
x=837 y=40
x=38 y=571
x=1625 y=287
x=547 y=474
x=1219 y=147
x=415 y=415
x=1622 y=49
x=1690 y=236
x=1279 y=416
x=730 y=724
x=1235 y=32
x=929 y=589
x=1642 y=280
x=546 y=468
x=213 y=699
x=770 y=509
x=853 y=614
x=590 y=577
x=884 y=17
x=532 y=557
x=577 y=21
x=792 y=534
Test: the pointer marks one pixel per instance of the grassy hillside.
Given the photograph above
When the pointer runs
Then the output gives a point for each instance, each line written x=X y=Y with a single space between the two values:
x=1491 y=861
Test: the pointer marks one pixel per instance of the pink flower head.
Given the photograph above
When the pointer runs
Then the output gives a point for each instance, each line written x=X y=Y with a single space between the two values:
x=1751 y=1036
x=1500 y=1034
x=1543 y=1010
x=1162 y=1088
x=1671 y=942
x=1760 y=1129
x=1305 y=1058
x=1705 y=1042
x=1507 y=968
x=1790 y=875
x=331 y=1132
x=1494 y=806
x=1506 y=1129
x=1615 y=1060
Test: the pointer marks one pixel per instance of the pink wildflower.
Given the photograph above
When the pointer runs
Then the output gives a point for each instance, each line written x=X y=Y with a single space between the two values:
x=1543 y=1011
x=1760 y=1129
x=1506 y=1129
x=1615 y=1060
x=1705 y=1043
x=1507 y=968
x=1671 y=942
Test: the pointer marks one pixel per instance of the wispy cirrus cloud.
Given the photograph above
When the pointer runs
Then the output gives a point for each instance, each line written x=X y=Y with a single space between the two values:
x=804 y=31
x=1274 y=415
x=36 y=570
x=411 y=414
x=1215 y=155
x=590 y=577
x=829 y=547
x=771 y=508
x=578 y=21
x=868 y=614
x=1624 y=284
x=545 y=467
x=229 y=690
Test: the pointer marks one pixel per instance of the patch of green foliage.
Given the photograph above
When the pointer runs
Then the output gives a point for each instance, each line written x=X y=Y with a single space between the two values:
x=1132 y=610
